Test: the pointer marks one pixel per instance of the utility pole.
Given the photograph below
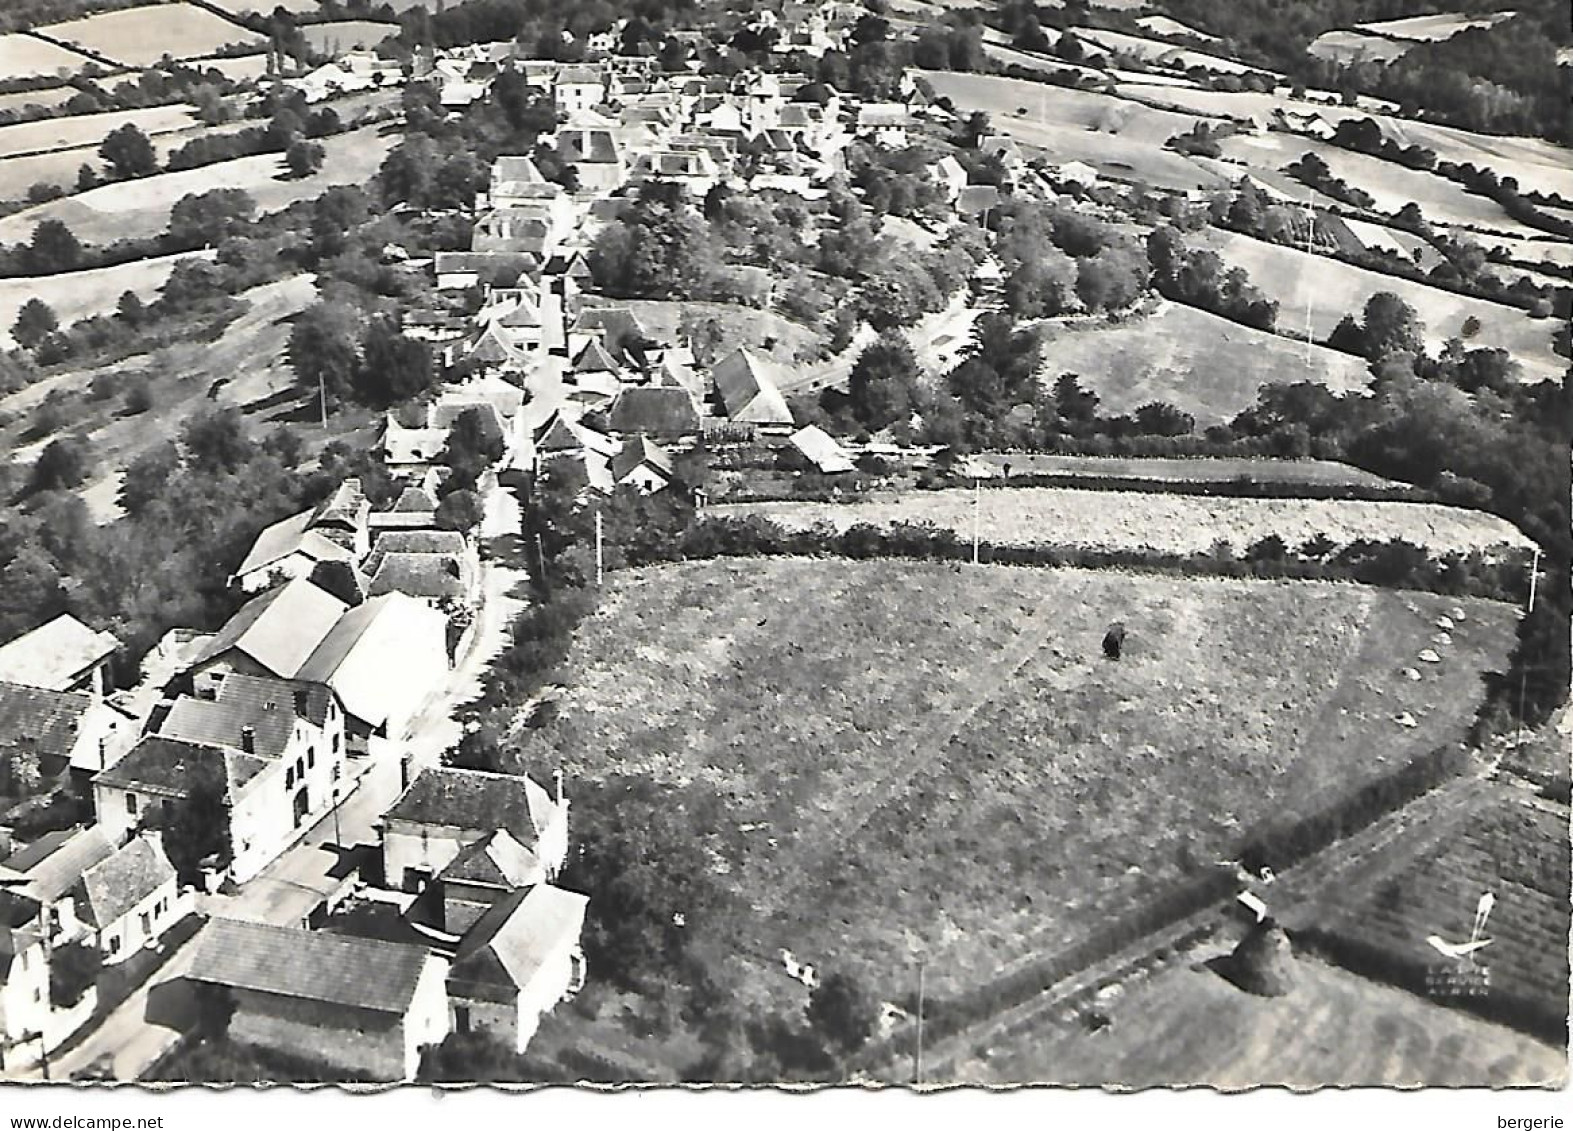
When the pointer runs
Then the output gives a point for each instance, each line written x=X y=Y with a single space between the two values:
x=540 y=559
x=1310 y=228
x=1523 y=671
x=918 y=1058
x=338 y=837
x=600 y=541
x=322 y=399
x=977 y=503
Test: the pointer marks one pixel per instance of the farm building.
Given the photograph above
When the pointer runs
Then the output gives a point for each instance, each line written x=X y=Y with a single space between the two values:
x=820 y=449
x=748 y=393
x=43 y=734
x=61 y=655
x=360 y=1005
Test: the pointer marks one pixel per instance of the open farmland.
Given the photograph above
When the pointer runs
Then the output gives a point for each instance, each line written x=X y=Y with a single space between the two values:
x=81 y=294
x=25 y=56
x=1205 y=365
x=1347 y=47
x=1430 y=29
x=940 y=757
x=49 y=97
x=266 y=7
x=346 y=35
x=1163 y=523
x=1188 y=1025
x=1163 y=25
x=87 y=131
x=1333 y=289
x=1157 y=51
x=140 y=37
x=1199 y=469
x=1514 y=850
x=140 y=208
x=1391 y=185
x=1119 y=138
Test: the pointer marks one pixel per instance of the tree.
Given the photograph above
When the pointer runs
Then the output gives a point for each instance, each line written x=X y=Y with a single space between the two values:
x=1042 y=287
x=35 y=322
x=393 y=368
x=1391 y=326
x=216 y=442
x=63 y=465
x=842 y=1012
x=475 y=443
x=882 y=380
x=303 y=158
x=73 y=968
x=196 y=826
x=459 y=510
x=129 y=153
x=206 y=219
x=661 y=249
x=54 y=248
x=131 y=310
x=322 y=350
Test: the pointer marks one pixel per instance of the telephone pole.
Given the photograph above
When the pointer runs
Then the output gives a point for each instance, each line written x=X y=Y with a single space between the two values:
x=918 y=1058
x=977 y=503
x=600 y=542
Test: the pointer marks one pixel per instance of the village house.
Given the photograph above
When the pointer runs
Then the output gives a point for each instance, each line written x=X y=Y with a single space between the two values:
x=334 y=530
x=577 y=88
x=642 y=464
x=519 y=961
x=273 y=634
x=886 y=124
x=445 y=810
x=45 y=735
x=440 y=567
x=821 y=451
x=60 y=655
x=276 y=749
x=748 y=394
x=358 y=1005
x=694 y=170
x=596 y=157
x=27 y=1018
x=116 y=898
x=483 y=873
x=665 y=411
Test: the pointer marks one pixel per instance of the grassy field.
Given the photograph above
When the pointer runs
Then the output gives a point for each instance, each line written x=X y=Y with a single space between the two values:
x=1332 y=289
x=1166 y=523
x=346 y=35
x=1163 y=25
x=1205 y=365
x=242 y=68
x=140 y=37
x=86 y=131
x=50 y=96
x=23 y=56
x=1355 y=47
x=1119 y=138
x=939 y=758
x=1188 y=1025
x=1205 y=469
x=81 y=294
x=1154 y=50
x=1429 y=29
x=1512 y=849
x=140 y=208
x=266 y=7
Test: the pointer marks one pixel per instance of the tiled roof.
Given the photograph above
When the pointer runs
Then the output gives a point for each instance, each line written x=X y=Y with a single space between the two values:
x=432 y=576
x=414 y=499
x=287 y=536
x=476 y=801
x=419 y=542
x=52 y=875
x=639 y=452
x=661 y=411
x=280 y=628
x=594 y=359
x=497 y=860
x=52 y=654
x=510 y=943
x=164 y=765
x=112 y=888
x=821 y=450
x=268 y=706
x=747 y=391
x=310 y=965
x=44 y=721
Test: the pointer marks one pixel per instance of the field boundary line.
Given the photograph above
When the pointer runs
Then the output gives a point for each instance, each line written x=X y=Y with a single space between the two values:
x=77 y=49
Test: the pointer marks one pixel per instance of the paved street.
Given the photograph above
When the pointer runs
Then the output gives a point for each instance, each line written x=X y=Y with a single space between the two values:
x=288 y=889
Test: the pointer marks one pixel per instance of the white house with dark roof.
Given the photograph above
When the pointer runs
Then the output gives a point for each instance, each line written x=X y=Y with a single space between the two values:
x=643 y=465
x=60 y=655
x=518 y=962
x=334 y=530
x=484 y=872
x=46 y=734
x=446 y=810
x=360 y=1005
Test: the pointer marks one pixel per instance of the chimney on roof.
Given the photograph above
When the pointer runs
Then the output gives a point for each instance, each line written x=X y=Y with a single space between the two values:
x=248 y=739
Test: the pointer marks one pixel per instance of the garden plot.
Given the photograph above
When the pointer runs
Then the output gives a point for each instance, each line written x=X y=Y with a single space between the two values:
x=1202 y=364
x=1329 y=289
x=939 y=759
x=140 y=37
x=1155 y=522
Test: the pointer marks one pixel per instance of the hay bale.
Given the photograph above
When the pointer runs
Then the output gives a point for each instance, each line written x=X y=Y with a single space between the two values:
x=1263 y=963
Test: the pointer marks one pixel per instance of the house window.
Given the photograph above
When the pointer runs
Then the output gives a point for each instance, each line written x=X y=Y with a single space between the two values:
x=289 y=777
x=461 y=1018
x=131 y=804
x=147 y=923
x=311 y=756
x=112 y=942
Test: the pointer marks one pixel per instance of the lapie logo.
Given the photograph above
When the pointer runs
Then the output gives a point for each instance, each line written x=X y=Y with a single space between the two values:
x=1464 y=952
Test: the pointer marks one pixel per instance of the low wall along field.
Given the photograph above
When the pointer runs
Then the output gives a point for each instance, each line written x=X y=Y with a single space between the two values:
x=1157 y=521
x=921 y=756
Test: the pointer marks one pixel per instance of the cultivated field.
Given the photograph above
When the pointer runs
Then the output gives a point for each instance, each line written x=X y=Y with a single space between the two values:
x=87 y=131
x=140 y=208
x=242 y=68
x=23 y=56
x=1164 y=523
x=1429 y=29
x=140 y=37
x=1155 y=50
x=1202 y=469
x=266 y=7
x=346 y=35
x=1119 y=138
x=1515 y=851
x=1188 y=1025
x=1205 y=365
x=1333 y=289
x=1163 y=25
x=50 y=97
x=939 y=758
x=82 y=294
